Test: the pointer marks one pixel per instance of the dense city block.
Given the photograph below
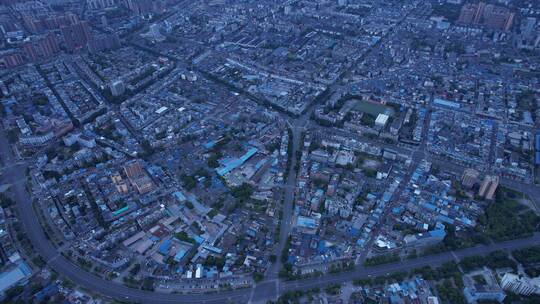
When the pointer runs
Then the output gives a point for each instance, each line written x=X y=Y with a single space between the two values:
x=272 y=151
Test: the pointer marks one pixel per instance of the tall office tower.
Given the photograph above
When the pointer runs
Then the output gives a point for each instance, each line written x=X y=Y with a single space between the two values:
x=99 y=4
x=36 y=24
x=527 y=26
x=93 y=4
x=492 y=187
x=30 y=51
x=469 y=178
x=287 y=9
x=155 y=30
x=489 y=186
x=69 y=38
x=142 y=7
x=49 y=45
x=479 y=12
x=103 y=42
x=117 y=88
x=70 y=19
x=76 y=36
x=12 y=60
x=44 y=47
x=467 y=13
x=497 y=17
x=484 y=186
x=489 y=15
x=29 y=23
x=509 y=22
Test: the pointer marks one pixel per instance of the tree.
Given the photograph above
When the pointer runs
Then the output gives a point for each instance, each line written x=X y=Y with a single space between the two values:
x=189 y=182
x=147 y=148
x=183 y=236
x=5 y=201
x=13 y=135
x=213 y=159
x=148 y=284
x=212 y=213
x=40 y=100
x=135 y=269
x=257 y=276
x=333 y=289
x=450 y=294
x=242 y=192
x=505 y=220
x=13 y=292
x=530 y=259
x=381 y=259
x=214 y=261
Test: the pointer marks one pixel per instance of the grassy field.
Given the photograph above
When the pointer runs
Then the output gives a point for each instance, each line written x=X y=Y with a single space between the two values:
x=372 y=108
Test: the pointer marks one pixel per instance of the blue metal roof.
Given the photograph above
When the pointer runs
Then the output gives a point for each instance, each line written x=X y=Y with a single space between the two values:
x=209 y=144
x=235 y=163
x=429 y=206
x=12 y=277
x=446 y=103
x=306 y=222
x=445 y=219
x=164 y=247
x=179 y=255
x=179 y=196
x=199 y=239
x=438 y=233
x=47 y=291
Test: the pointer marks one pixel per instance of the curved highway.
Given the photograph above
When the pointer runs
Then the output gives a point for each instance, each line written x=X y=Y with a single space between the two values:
x=14 y=174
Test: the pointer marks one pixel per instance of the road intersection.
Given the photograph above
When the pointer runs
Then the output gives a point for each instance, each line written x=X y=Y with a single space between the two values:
x=268 y=289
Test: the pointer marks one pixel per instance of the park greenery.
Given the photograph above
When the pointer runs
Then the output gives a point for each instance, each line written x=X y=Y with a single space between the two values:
x=530 y=259
x=506 y=219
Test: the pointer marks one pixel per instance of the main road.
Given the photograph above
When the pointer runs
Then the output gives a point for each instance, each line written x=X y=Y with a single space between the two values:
x=271 y=288
x=15 y=172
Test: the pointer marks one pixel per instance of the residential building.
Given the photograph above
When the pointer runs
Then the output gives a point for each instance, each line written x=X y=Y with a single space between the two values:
x=469 y=178
x=520 y=284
